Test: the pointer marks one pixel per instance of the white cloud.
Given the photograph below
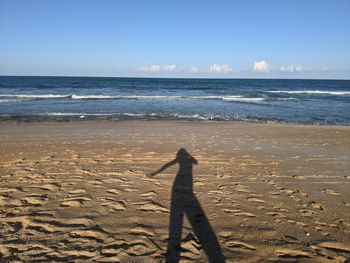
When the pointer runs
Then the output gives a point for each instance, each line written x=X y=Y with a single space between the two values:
x=153 y=68
x=216 y=68
x=292 y=68
x=157 y=68
x=169 y=67
x=194 y=70
x=261 y=66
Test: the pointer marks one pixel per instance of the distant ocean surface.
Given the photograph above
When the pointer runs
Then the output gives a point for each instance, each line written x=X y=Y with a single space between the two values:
x=253 y=100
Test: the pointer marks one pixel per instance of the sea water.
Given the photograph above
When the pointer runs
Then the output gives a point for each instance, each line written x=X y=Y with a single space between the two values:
x=254 y=100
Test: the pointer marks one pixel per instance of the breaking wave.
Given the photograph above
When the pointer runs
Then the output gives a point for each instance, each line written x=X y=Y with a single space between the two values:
x=236 y=98
x=322 y=92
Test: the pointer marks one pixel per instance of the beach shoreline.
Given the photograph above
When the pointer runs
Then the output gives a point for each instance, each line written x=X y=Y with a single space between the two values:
x=81 y=190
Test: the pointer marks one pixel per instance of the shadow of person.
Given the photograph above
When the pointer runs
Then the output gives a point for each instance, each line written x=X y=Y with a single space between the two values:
x=183 y=201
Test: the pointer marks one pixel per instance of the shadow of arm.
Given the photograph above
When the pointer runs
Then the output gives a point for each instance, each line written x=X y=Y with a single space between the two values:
x=165 y=166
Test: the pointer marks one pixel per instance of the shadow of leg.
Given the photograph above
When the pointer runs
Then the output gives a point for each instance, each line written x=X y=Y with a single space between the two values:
x=203 y=230
x=175 y=227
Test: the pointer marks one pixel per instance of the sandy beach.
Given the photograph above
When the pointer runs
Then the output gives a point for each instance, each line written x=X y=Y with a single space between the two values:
x=128 y=191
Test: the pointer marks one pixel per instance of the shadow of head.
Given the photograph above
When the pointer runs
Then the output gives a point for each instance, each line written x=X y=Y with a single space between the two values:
x=184 y=158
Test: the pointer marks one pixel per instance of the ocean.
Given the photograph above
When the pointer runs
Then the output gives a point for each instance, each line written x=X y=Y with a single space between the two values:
x=325 y=102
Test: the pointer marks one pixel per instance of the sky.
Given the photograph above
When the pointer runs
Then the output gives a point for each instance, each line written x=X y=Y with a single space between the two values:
x=177 y=38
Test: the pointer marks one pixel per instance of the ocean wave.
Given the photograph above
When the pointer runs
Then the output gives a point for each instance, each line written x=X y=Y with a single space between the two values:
x=73 y=114
x=142 y=97
x=119 y=116
x=286 y=99
x=130 y=115
x=243 y=99
x=93 y=97
x=322 y=92
x=237 y=98
x=8 y=100
x=171 y=97
x=33 y=96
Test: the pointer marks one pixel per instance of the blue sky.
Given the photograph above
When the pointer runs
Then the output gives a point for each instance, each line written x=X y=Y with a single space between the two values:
x=230 y=39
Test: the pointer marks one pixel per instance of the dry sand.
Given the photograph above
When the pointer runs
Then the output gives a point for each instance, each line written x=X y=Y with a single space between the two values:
x=79 y=191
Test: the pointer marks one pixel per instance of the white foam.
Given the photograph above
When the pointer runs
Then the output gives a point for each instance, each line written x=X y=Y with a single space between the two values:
x=135 y=97
x=189 y=116
x=237 y=98
x=75 y=114
x=286 y=99
x=170 y=97
x=163 y=97
x=9 y=100
x=95 y=114
x=92 y=97
x=243 y=99
x=33 y=96
x=155 y=97
x=311 y=92
x=129 y=114
x=143 y=97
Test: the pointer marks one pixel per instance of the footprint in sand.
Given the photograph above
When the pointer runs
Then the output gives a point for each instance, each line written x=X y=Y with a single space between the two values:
x=287 y=191
x=315 y=205
x=16 y=222
x=114 y=249
x=4 y=199
x=332 y=192
x=75 y=202
x=307 y=212
x=232 y=211
x=242 y=189
x=113 y=191
x=34 y=200
x=199 y=183
x=71 y=203
x=129 y=190
x=191 y=247
x=151 y=206
x=115 y=180
x=44 y=228
x=9 y=190
x=292 y=253
x=149 y=194
x=141 y=248
x=138 y=247
x=65 y=223
x=77 y=191
x=336 y=246
x=236 y=244
x=95 y=182
x=256 y=200
x=301 y=224
x=78 y=254
x=89 y=234
x=238 y=212
x=115 y=205
x=245 y=214
x=27 y=250
x=275 y=214
x=49 y=187
x=142 y=231
x=225 y=234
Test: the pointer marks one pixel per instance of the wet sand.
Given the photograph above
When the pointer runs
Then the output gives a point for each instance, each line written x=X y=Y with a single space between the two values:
x=93 y=191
